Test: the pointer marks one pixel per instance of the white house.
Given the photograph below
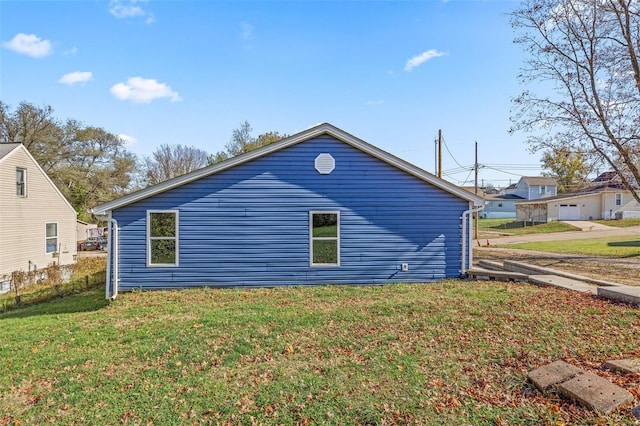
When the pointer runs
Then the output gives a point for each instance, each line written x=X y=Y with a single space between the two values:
x=37 y=224
x=599 y=202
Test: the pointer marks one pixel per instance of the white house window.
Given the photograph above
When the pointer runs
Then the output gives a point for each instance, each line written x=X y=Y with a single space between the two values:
x=162 y=238
x=21 y=182
x=51 y=230
x=618 y=199
x=543 y=189
x=324 y=236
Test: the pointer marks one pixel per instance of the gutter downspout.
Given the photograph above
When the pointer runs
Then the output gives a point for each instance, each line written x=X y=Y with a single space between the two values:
x=112 y=259
x=466 y=235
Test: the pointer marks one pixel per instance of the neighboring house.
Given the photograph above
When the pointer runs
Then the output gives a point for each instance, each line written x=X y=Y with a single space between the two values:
x=86 y=230
x=37 y=224
x=534 y=187
x=598 y=202
x=319 y=207
x=500 y=206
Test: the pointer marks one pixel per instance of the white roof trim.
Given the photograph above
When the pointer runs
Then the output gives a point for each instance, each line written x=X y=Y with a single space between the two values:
x=53 y=185
x=311 y=133
x=9 y=152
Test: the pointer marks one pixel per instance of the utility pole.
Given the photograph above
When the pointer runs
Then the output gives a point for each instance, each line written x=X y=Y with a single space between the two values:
x=476 y=191
x=440 y=153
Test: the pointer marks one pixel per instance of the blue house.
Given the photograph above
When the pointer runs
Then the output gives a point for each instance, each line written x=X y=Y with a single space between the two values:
x=319 y=207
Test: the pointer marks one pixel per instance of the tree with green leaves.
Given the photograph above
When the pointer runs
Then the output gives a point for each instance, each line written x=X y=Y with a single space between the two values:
x=583 y=63
x=569 y=168
x=88 y=164
x=242 y=141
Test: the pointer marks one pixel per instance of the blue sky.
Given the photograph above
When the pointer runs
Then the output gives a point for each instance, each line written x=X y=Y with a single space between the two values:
x=389 y=72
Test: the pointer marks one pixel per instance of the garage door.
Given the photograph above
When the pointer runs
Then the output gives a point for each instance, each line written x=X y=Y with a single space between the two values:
x=569 y=212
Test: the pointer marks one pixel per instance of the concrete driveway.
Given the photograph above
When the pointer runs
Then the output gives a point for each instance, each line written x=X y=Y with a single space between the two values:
x=588 y=230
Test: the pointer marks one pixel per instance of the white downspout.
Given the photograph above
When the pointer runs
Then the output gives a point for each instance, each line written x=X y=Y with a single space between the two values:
x=466 y=234
x=112 y=259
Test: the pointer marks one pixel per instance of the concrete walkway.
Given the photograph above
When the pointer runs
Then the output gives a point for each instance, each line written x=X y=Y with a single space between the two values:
x=520 y=271
x=588 y=226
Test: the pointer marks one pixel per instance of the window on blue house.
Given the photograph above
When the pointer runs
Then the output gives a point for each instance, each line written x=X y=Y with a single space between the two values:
x=162 y=238
x=324 y=236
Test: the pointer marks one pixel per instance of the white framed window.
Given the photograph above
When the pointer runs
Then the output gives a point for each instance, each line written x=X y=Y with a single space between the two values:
x=21 y=182
x=162 y=238
x=543 y=189
x=618 y=199
x=324 y=238
x=51 y=237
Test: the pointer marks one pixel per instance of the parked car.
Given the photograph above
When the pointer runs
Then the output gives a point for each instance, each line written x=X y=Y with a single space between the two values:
x=103 y=242
x=91 y=243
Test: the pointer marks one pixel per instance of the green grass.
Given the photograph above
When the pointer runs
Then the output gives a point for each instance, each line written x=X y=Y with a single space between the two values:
x=608 y=247
x=447 y=353
x=511 y=227
x=87 y=273
x=622 y=223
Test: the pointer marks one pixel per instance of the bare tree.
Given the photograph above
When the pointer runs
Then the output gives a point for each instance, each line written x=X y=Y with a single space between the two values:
x=242 y=142
x=169 y=161
x=583 y=55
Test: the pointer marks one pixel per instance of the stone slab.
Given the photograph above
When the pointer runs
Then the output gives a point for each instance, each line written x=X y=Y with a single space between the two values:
x=595 y=392
x=627 y=294
x=525 y=268
x=562 y=282
x=625 y=366
x=553 y=374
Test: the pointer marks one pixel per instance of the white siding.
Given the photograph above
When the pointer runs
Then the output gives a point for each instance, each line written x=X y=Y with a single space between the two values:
x=23 y=219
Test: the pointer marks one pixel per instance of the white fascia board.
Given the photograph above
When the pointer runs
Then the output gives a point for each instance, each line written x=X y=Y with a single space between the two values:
x=46 y=176
x=311 y=133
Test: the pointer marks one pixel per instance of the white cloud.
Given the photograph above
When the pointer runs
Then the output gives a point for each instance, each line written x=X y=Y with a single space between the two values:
x=143 y=90
x=247 y=30
x=123 y=9
x=76 y=77
x=30 y=45
x=128 y=140
x=71 y=51
x=418 y=60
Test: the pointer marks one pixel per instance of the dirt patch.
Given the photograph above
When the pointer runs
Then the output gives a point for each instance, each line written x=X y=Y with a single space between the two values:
x=622 y=271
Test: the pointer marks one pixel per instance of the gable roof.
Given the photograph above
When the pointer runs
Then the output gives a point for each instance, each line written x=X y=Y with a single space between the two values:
x=6 y=149
x=539 y=180
x=503 y=197
x=606 y=177
x=322 y=129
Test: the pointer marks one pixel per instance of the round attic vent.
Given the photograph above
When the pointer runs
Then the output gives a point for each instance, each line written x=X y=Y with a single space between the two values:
x=325 y=164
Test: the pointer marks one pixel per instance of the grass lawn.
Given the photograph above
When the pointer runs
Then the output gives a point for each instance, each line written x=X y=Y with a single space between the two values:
x=622 y=223
x=511 y=227
x=447 y=353
x=609 y=247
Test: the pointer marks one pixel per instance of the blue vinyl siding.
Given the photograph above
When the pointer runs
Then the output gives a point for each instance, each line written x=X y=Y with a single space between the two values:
x=249 y=225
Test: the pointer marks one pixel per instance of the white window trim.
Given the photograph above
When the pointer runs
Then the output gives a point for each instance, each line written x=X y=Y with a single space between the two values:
x=47 y=237
x=336 y=238
x=176 y=238
x=618 y=199
x=24 y=176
